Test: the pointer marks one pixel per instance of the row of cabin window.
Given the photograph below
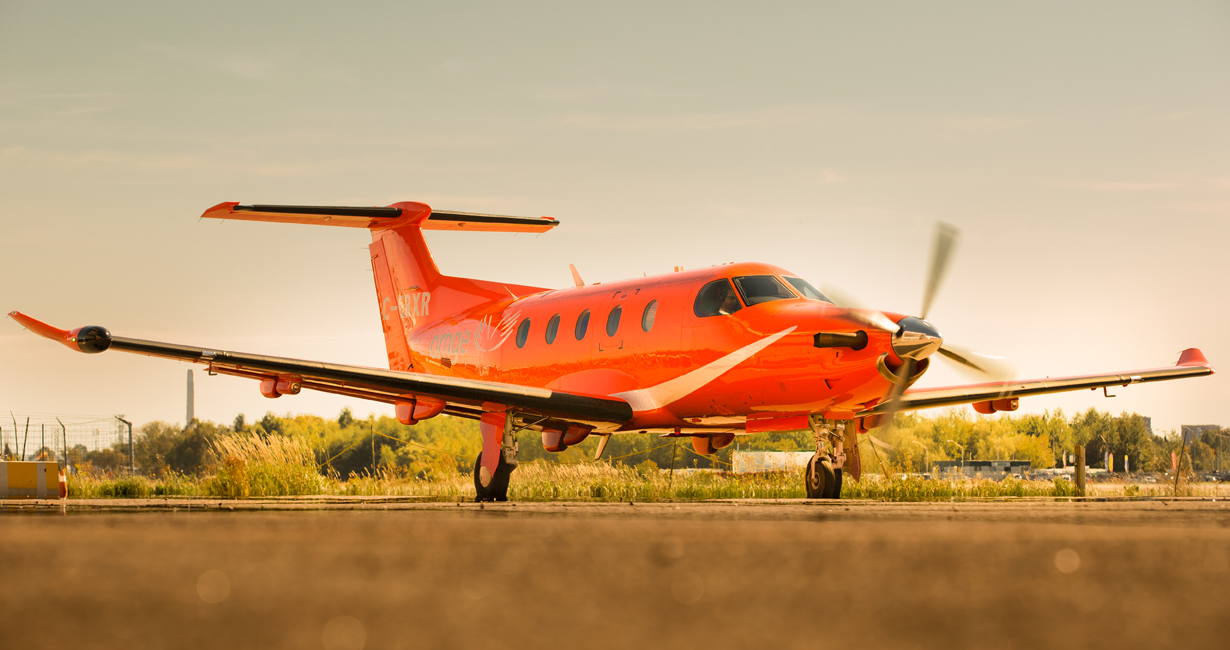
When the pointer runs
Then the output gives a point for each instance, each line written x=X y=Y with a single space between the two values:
x=582 y=326
x=714 y=299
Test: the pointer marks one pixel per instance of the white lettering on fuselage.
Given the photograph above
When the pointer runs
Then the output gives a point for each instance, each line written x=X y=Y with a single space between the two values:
x=485 y=337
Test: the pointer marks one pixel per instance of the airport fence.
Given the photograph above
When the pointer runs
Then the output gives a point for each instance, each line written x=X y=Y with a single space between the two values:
x=80 y=442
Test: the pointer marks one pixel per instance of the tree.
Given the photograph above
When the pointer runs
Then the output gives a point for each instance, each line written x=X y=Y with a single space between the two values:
x=190 y=452
x=272 y=423
x=154 y=440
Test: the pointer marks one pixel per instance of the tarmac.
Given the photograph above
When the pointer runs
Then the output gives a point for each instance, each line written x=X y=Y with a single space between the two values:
x=402 y=573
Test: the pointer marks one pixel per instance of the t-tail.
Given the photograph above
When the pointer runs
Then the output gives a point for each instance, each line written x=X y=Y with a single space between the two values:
x=411 y=291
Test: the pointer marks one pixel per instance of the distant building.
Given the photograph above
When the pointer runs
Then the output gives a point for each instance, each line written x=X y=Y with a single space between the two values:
x=745 y=462
x=992 y=469
x=1192 y=432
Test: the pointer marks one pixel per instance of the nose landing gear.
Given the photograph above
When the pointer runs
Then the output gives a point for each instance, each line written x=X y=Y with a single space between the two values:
x=823 y=474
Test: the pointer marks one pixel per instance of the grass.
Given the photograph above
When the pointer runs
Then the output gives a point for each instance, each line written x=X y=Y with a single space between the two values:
x=255 y=466
x=98 y=485
x=249 y=467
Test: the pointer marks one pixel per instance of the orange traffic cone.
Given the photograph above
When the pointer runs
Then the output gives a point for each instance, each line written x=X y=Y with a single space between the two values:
x=63 y=485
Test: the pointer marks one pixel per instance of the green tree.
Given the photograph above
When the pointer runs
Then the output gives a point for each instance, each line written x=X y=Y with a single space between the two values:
x=151 y=445
x=190 y=452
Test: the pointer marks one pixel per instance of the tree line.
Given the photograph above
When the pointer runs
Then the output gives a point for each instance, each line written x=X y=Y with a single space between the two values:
x=347 y=446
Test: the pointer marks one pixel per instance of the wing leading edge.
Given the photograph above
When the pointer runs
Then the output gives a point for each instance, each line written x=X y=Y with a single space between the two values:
x=1191 y=364
x=464 y=397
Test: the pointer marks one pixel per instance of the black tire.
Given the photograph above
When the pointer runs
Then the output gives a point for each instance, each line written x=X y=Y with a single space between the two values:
x=819 y=477
x=498 y=489
x=836 y=489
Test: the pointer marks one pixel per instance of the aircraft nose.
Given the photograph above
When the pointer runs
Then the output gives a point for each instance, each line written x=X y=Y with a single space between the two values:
x=917 y=339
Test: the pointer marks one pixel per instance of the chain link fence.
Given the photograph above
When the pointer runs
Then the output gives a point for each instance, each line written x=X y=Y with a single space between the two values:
x=85 y=441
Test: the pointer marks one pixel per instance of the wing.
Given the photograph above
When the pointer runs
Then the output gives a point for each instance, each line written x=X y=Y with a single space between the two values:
x=463 y=397
x=1191 y=364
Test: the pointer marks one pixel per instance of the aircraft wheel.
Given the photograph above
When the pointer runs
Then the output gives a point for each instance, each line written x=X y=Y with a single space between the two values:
x=497 y=490
x=819 y=477
x=836 y=490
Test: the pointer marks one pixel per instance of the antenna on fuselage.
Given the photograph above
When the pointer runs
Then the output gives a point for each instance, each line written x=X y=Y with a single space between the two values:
x=576 y=277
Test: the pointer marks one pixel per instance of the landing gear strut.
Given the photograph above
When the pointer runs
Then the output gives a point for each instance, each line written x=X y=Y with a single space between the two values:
x=823 y=474
x=499 y=443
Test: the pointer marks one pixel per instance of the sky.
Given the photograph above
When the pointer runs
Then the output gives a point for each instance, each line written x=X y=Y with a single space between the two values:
x=1082 y=148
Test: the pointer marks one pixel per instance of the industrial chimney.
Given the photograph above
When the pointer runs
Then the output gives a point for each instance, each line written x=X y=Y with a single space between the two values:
x=191 y=400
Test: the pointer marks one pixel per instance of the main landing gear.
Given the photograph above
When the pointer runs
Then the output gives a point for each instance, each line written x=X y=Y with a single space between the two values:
x=495 y=463
x=823 y=473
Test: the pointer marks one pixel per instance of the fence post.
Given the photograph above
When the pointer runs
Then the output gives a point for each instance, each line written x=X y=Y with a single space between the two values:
x=64 y=435
x=1080 y=469
x=132 y=466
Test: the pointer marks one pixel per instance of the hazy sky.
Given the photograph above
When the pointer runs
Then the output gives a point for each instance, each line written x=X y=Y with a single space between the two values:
x=1083 y=148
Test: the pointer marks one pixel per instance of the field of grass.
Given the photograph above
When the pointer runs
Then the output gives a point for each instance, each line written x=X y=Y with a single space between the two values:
x=249 y=473
x=245 y=466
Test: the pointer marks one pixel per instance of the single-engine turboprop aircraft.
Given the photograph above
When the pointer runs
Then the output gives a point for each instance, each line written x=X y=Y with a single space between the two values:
x=708 y=354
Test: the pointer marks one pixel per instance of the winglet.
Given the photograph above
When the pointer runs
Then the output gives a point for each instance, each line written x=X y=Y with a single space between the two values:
x=576 y=277
x=89 y=339
x=1193 y=357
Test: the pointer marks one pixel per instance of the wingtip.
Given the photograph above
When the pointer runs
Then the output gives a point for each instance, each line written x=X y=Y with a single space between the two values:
x=1193 y=357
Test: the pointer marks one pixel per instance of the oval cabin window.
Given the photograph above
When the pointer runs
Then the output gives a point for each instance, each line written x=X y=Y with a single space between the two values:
x=612 y=321
x=523 y=333
x=552 y=329
x=582 y=324
x=651 y=310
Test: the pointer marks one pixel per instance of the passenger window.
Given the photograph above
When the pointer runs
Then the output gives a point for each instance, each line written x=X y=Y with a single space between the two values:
x=806 y=290
x=756 y=289
x=582 y=324
x=716 y=298
x=552 y=329
x=523 y=332
x=651 y=310
x=612 y=320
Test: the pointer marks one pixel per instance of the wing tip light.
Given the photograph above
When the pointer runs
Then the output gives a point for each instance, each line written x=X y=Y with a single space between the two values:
x=89 y=339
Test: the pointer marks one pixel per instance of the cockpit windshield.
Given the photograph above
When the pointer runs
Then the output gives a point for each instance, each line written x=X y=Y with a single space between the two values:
x=756 y=289
x=804 y=287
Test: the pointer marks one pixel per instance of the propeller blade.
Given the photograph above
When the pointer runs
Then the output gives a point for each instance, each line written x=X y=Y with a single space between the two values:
x=902 y=376
x=995 y=368
x=879 y=442
x=856 y=311
x=946 y=238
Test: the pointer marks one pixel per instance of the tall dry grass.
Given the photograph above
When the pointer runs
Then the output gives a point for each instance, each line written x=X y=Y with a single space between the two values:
x=263 y=466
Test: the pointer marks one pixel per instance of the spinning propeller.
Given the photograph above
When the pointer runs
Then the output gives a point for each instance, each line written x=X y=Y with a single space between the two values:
x=915 y=339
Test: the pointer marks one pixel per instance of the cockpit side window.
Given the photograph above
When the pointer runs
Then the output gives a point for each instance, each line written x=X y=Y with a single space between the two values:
x=756 y=289
x=806 y=290
x=715 y=299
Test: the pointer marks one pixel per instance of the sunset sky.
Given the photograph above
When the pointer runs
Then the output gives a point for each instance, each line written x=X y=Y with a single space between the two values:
x=1082 y=148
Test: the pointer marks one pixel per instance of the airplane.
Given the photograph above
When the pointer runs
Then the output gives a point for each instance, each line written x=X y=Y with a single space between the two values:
x=708 y=354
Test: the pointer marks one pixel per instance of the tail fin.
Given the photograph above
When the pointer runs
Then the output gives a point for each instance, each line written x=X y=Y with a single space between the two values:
x=411 y=291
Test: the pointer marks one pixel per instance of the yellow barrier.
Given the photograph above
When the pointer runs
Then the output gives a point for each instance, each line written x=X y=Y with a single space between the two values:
x=25 y=479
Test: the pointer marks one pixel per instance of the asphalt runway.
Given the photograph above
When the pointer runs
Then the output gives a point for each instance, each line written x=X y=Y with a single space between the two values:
x=396 y=574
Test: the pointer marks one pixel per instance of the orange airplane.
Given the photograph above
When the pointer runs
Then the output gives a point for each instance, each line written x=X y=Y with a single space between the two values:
x=708 y=354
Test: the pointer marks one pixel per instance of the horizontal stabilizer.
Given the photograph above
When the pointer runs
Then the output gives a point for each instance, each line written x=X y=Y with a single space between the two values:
x=378 y=217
